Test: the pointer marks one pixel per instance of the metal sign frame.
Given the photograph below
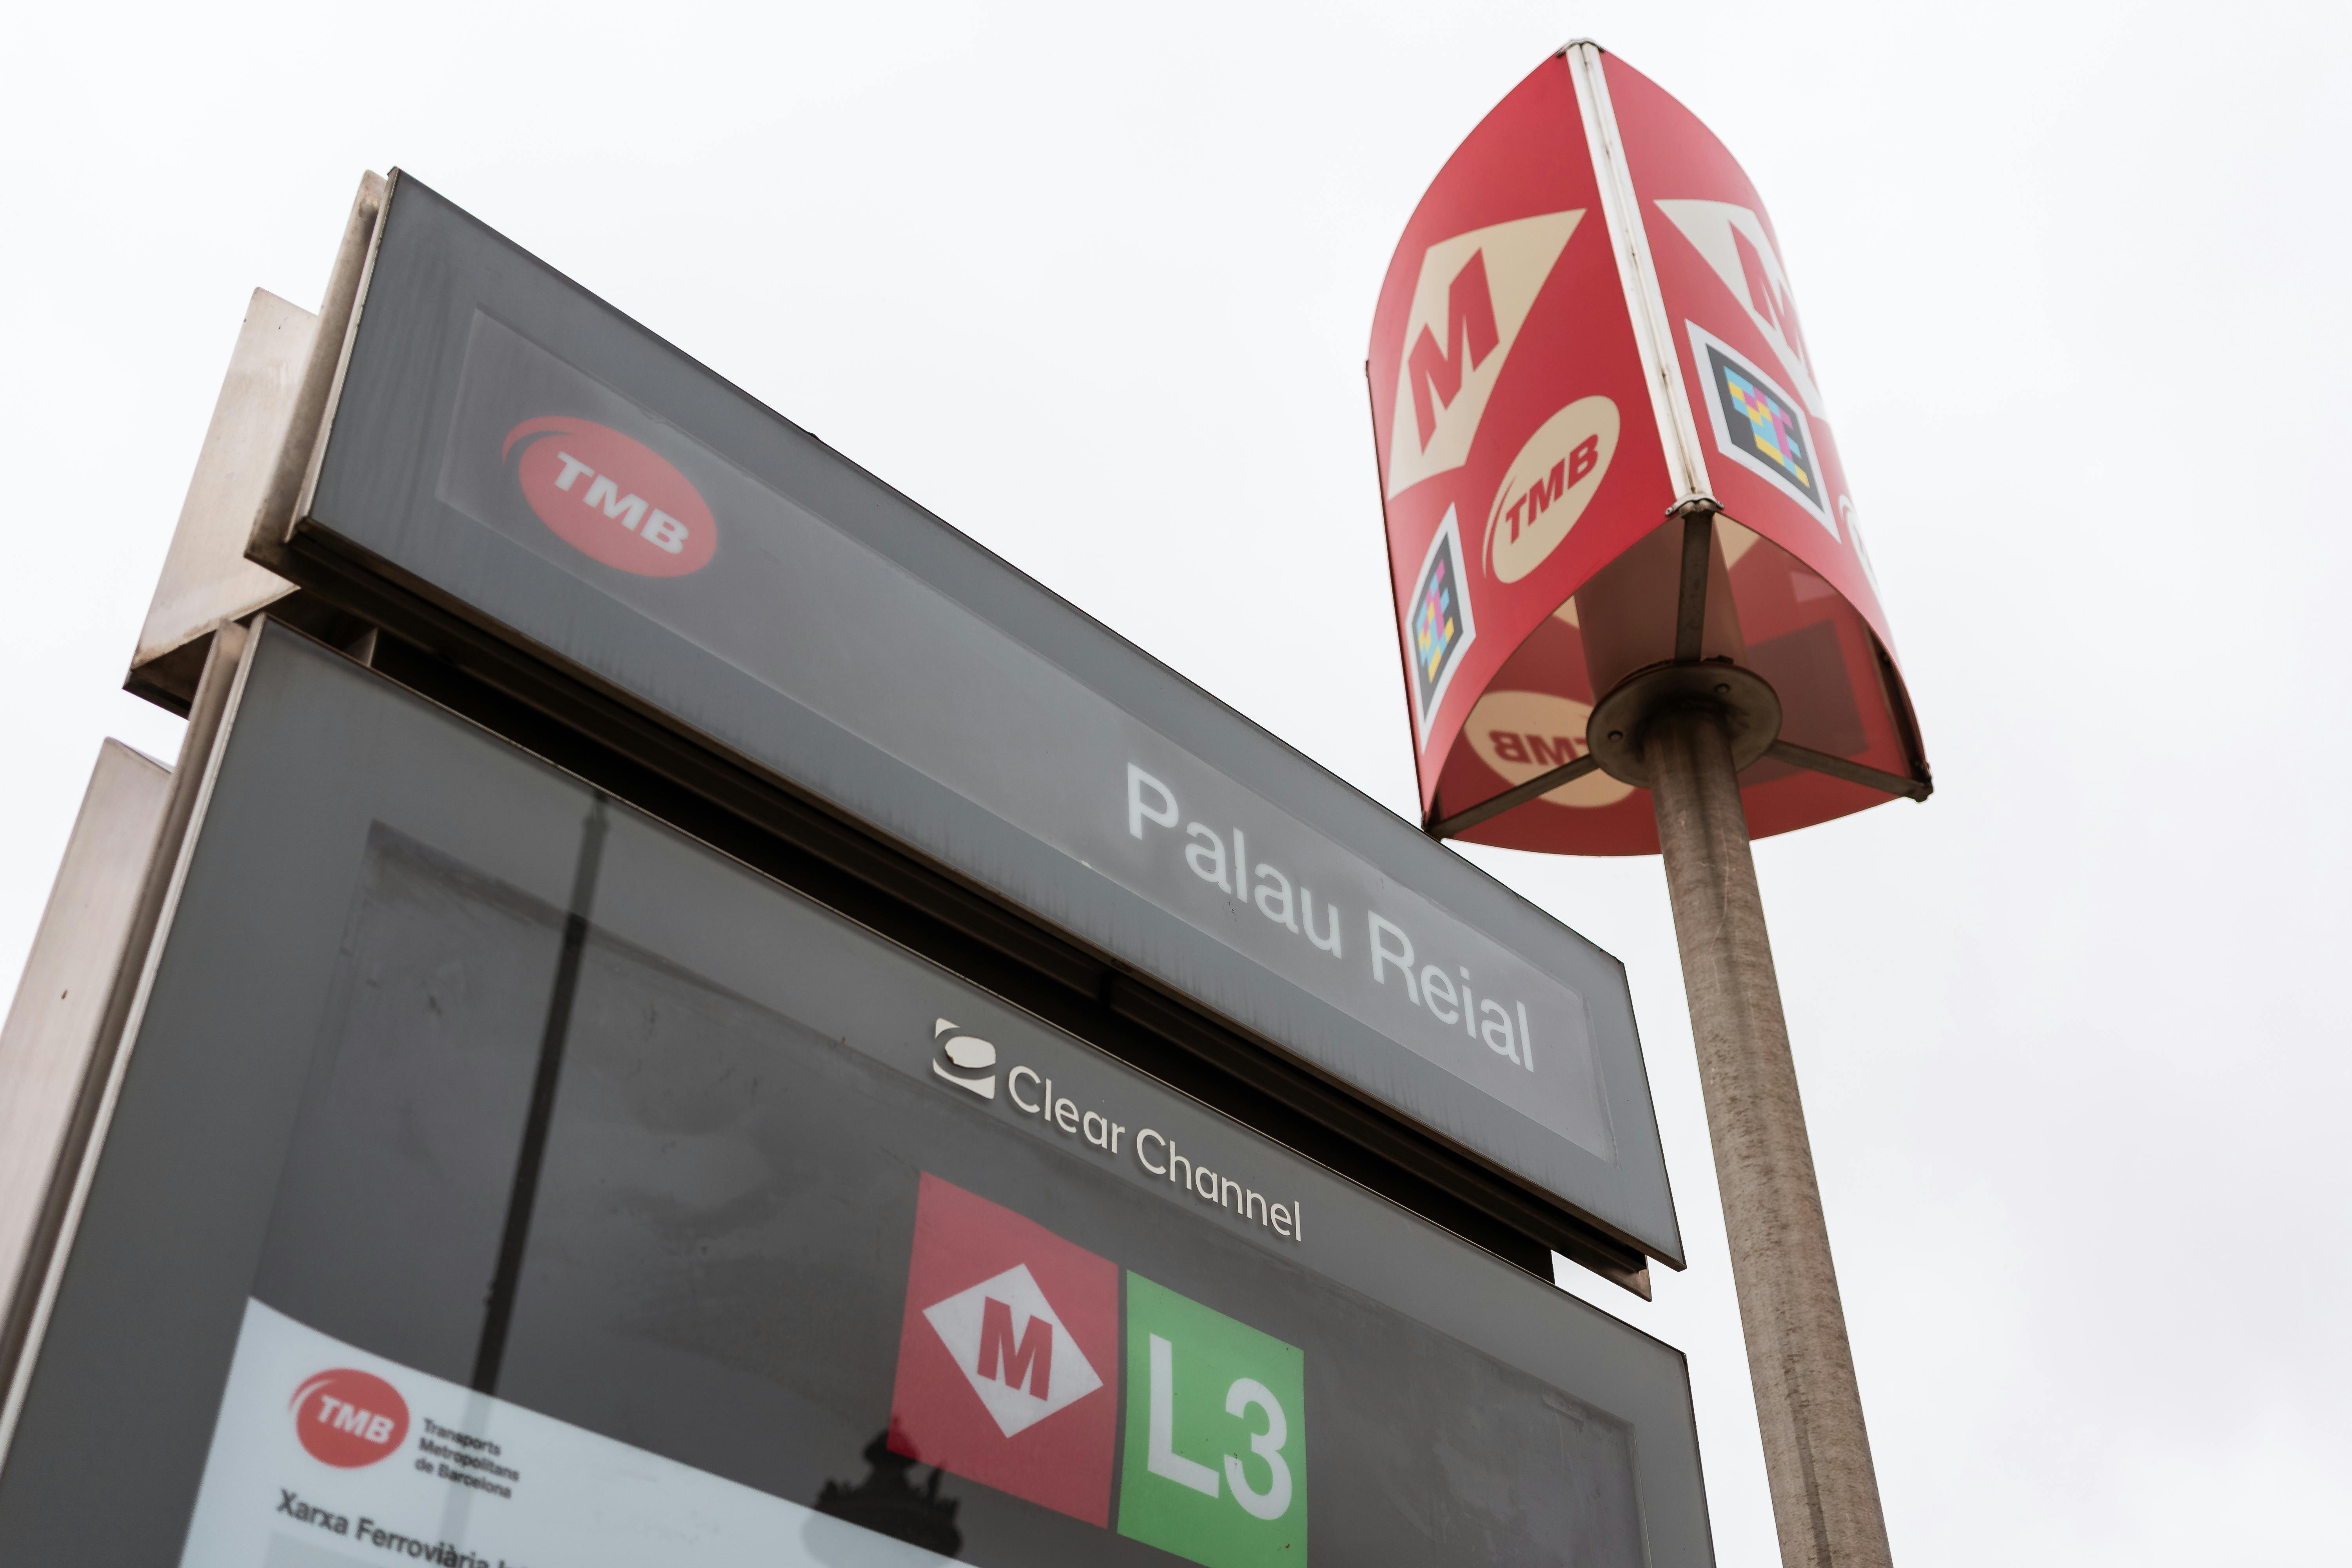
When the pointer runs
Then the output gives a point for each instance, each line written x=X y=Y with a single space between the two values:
x=567 y=655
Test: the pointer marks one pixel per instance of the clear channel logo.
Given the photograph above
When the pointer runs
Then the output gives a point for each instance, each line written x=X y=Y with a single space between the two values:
x=964 y=1060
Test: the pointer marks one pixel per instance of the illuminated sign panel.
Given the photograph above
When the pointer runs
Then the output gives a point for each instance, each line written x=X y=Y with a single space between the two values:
x=807 y=609
x=510 y=452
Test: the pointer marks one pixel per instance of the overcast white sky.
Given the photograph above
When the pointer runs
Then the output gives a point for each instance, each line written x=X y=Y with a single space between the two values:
x=1094 y=283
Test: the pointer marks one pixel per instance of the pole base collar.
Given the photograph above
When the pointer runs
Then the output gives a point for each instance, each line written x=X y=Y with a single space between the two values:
x=1745 y=700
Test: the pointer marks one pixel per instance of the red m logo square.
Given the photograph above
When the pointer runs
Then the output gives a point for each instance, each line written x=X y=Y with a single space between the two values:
x=1005 y=1354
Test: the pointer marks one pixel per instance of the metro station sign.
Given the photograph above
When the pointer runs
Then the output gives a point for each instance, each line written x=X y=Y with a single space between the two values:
x=1588 y=325
x=506 y=460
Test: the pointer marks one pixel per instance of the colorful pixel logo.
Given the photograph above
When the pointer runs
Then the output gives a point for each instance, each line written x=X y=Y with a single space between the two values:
x=1439 y=627
x=1758 y=425
x=1771 y=427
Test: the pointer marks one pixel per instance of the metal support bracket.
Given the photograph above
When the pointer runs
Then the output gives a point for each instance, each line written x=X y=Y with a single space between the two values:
x=1749 y=707
x=1494 y=805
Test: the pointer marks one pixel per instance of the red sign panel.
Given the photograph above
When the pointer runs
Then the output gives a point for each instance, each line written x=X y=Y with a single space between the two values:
x=1587 y=325
x=1008 y=1355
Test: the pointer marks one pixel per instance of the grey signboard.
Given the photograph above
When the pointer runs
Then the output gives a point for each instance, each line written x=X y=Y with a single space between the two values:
x=506 y=447
x=532 y=1183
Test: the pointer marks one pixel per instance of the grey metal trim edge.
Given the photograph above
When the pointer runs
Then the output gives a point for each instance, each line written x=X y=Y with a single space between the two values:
x=296 y=469
x=209 y=720
x=1852 y=773
x=68 y=978
x=206 y=578
x=1628 y=238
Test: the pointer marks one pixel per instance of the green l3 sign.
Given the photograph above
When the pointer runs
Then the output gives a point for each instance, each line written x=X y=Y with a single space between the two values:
x=1215 y=1464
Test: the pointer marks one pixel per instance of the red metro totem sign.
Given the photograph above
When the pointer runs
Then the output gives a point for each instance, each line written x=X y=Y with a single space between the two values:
x=1587 y=339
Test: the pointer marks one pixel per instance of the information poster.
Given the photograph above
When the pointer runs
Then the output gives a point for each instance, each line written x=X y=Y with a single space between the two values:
x=327 y=1455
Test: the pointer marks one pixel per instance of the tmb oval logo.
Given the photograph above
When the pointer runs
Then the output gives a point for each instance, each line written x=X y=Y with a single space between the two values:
x=348 y=1418
x=1548 y=484
x=611 y=497
x=1524 y=735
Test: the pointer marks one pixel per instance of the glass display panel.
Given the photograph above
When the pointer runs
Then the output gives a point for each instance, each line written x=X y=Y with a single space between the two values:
x=577 y=1196
x=511 y=451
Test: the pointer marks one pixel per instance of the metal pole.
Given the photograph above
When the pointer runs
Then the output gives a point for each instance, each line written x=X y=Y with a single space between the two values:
x=1816 y=1452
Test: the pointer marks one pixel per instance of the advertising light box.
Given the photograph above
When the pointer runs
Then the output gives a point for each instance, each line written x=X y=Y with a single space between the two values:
x=507 y=454
x=1603 y=448
x=534 y=1184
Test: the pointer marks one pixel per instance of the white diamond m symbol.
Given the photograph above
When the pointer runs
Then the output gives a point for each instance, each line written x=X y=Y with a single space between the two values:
x=1013 y=1348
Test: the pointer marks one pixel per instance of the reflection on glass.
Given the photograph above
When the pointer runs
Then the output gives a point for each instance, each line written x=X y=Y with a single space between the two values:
x=888 y=1503
x=542 y=1155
